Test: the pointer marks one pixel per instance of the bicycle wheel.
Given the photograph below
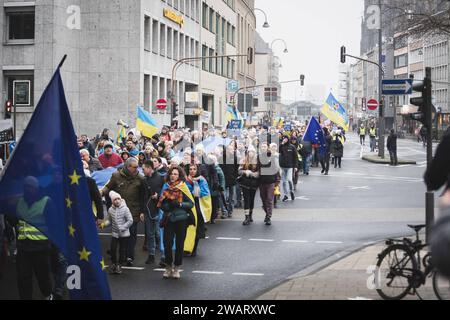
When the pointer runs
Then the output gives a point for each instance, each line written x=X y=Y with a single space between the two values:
x=396 y=266
x=441 y=286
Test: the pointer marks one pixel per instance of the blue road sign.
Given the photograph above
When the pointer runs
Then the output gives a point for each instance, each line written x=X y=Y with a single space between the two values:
x=397 y=86
x=232 y=85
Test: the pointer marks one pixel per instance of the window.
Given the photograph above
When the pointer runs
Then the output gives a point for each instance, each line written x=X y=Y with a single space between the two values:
x=20 y=22
x=197 y=53
x=175 y=45
x=182 y=46
x=155 y=36
x=162 y=40
x=182 y=6
x=20 y=87
x=205 y=16
x=401 y=61
x=400 y=42
x=192 y=51
x=186 y=47
x=147 y=33
x=169 y=43
x=204 y=61
x=211 y=20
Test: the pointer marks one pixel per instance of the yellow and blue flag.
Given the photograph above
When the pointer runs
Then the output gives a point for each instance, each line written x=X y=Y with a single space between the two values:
x=334 y=111
x=44 y=187
x=145 y=123
x=234 y=114
x=204 y=198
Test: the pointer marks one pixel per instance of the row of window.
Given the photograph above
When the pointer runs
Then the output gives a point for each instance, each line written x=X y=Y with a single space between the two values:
x=218 y=25
x=158 y=87
x=437 y=54
x=224 y=67
x=168 y=42
x=440 y=73
x=189 y=8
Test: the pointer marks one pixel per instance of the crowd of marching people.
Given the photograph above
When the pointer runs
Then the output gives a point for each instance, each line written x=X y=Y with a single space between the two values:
x=179 y=182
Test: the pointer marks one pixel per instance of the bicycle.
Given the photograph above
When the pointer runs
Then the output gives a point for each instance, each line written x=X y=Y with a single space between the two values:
x=401 y=270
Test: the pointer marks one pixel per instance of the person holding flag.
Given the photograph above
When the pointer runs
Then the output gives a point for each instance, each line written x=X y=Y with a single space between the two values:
x=63 y=215
x=321 y=137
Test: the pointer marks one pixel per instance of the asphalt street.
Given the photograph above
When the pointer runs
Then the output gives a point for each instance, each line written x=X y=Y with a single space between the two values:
x=352 y=207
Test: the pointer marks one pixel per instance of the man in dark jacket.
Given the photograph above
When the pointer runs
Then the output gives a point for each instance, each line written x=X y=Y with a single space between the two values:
x=306 y=154
x=325 y=158
x=392 y=147
x=94 y=164
x=153 y=183
x=288 y=163
x=230 y=167
x=269 y=175
x=438 y=173
x=130 y=185
x=87 y=145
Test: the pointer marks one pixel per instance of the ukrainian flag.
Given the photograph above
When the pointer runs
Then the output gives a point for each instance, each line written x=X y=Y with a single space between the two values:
x=278 y=122
x=204 y=199
x=334 y=111
x=233 y=114
x=145 y=123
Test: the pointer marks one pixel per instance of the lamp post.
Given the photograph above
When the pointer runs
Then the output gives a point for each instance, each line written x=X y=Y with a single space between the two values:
x=270 y=72
x=265 y=25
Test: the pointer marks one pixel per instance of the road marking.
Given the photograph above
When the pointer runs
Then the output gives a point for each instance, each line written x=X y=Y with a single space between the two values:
x=262 y=240
x=359 y=188
x=296 y=241
x=248 y=274
x=232 y=239
x=134 y=268
x=162 y=270
x=109 y=234
x=302 y=198
x=329 y=242
x=208 y=272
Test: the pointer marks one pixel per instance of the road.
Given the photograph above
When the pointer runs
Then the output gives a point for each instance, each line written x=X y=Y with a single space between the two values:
x=353 y=206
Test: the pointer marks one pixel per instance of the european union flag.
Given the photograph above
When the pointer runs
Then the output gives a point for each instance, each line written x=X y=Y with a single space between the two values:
x=44 y=186
x=315 y=135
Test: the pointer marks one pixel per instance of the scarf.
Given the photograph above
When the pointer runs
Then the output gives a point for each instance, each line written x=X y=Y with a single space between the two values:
x=194 y=182
x=172 y=193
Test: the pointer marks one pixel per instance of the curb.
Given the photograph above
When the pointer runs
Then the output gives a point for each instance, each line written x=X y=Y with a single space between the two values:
x=386 y=161
x=319 y=266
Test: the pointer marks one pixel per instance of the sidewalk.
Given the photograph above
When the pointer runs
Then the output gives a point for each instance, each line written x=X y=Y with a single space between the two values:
x=345 y=279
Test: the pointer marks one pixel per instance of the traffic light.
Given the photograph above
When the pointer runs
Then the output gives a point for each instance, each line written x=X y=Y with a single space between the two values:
x=343 y=53
x=302 y=80
x=250 y=55
x=424 y=114
x=8 y=109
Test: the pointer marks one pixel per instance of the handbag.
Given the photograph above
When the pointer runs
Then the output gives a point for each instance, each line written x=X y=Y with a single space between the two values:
x=248 y=183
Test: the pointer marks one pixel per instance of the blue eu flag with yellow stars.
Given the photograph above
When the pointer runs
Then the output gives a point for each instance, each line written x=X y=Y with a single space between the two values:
x=43 y=186
x=315 y=135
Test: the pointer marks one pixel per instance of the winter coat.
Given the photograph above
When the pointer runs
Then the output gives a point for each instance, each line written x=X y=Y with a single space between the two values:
x=131 y=188
x=120 y=219
x=439 y=171
x=288 y=156
x=178 y=213
x=230 y=168
x=337 y=147
x=96 y=197
x=222 y=183
x=113 y=161
x=250 y=177
x=153 y=184
x=392 y=142
x=269 y=169
x=94 y=165
x=209 y=172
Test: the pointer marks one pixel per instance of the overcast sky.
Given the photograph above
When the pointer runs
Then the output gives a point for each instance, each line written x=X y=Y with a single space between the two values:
x=314 y=31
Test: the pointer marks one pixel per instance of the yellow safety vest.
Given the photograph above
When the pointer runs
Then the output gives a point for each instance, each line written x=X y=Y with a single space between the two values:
x=27 y=231
x=373 y=132
x=362 y=131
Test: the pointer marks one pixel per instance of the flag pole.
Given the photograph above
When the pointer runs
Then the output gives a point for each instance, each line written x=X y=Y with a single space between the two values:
x=62 y=61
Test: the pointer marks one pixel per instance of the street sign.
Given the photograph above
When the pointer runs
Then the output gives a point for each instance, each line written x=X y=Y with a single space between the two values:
x=372 y=104
x=397 y=86
x=161 y=104
x=235 y=124
x=232 y=86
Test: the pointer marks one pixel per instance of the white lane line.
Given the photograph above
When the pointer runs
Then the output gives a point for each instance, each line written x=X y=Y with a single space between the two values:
x=232 y=239
x=208 y=272
x=248 y=274
x=109 y=234
x=296 y=241
x=329 y=242
x=262 y=240
x=162 y=270
x=134 y=268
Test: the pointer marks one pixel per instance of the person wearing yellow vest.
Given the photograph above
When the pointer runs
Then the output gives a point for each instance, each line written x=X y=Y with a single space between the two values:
x=33 y=247
x=372 y=136
x=362 y=135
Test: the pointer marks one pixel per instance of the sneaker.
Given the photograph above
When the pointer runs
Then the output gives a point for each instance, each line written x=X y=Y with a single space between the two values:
x=176 y=273
x=129 y=262
x=168 y=273
x=150 y=260
x=112 y=269
x=292 y=196
x=50 y=297
x=223 y=216
x=118 y=269
x=268 y=222
x=285 y=199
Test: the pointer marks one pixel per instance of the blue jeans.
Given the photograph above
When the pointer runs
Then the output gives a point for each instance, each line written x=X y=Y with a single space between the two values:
x=286 y=178
x=307 y=163
x=152 y=232
x=229 y=196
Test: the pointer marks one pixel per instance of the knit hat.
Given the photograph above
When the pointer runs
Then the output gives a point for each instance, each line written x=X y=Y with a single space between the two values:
x=114 y=195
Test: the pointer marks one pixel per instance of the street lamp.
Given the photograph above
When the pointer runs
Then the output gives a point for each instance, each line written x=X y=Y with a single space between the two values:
x=265 y=25
x=270 y=69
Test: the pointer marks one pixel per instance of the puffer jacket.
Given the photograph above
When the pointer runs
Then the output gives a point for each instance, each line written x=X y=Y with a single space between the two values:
x=120 y=219
x=131 y=188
